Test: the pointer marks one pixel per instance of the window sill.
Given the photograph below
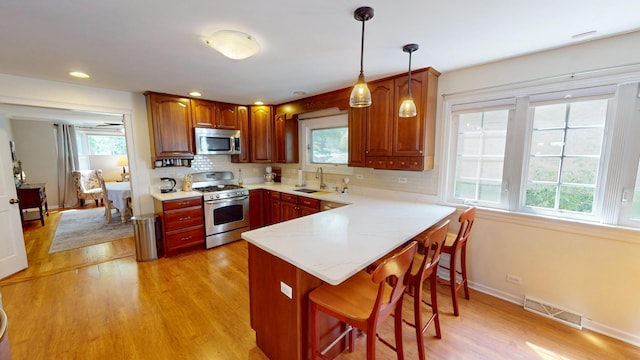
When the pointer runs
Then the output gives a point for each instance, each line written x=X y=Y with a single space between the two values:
x=605 y=231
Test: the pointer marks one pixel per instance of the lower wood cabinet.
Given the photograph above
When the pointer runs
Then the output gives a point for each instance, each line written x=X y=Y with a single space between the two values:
x=267 y=207
x=182 y=225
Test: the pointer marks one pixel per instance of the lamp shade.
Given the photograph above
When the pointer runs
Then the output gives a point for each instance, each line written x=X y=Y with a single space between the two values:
x=360 y=95
x=407 y=108
x=234 y=44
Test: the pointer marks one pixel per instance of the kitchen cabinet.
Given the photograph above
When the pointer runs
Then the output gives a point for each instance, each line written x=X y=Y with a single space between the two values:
x=260 y=134
x=392 y=142
x=288 y=207
x=243 y=125
x=308 y=206
x=274 y=207
x=182 y=225
x=285 y=139
x=256 y=209
x=170 y=127
x=211 y=114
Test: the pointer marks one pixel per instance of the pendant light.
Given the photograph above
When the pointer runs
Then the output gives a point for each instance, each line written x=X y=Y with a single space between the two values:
x=408 y=107
x=360 y=95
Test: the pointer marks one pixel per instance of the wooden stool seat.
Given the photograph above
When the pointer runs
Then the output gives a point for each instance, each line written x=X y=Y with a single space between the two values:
x=363 y=301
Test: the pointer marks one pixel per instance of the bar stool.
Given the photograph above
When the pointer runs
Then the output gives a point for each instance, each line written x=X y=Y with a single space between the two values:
x=425 y=264
x=363 y=301
x=457 y=244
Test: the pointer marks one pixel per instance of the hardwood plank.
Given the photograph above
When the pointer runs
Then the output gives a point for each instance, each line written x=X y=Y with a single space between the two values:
x=196 y=306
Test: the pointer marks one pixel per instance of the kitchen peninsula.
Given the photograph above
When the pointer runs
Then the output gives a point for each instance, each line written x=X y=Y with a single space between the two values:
x=289 y=259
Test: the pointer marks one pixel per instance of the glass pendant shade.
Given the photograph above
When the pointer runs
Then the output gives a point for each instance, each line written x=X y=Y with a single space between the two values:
x=360 y=95
x=408 y=106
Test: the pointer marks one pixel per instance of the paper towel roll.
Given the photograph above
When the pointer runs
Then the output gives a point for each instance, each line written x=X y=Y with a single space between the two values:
x=300 y=178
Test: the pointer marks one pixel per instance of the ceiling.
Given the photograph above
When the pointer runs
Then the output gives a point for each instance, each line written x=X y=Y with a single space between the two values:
x=310 y=46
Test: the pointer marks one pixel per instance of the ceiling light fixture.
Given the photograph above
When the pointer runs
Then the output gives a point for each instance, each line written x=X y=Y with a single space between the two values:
x=258 y=102
x=79 y=74
x=360 y=95
x=234 y=44
x=408 y=107
x=195 y=93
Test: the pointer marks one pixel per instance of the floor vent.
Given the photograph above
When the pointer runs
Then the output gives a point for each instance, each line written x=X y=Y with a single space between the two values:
x=564 y=316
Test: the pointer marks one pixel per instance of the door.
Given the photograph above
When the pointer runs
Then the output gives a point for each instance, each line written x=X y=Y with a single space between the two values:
x=13 y=255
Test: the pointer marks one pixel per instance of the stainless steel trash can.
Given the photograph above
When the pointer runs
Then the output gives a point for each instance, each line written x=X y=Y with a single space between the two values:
x=144 y=229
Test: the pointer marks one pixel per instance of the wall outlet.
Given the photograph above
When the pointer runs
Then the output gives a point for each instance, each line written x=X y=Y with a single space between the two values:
x=402 y=180
x=286 y=289
x=359 y=176
x=514 y=279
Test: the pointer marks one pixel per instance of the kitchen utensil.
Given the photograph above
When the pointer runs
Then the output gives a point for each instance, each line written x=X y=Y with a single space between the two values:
x=187 y=183
x=268 y=178
x=167 y=184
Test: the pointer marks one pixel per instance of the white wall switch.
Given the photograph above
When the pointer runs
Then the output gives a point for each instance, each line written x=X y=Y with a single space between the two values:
x=286 y=289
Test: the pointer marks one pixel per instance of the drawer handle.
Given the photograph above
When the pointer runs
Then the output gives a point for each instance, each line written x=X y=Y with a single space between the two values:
x=183 y=203
x=307 y=202
x=184 y=218
x=186 y=238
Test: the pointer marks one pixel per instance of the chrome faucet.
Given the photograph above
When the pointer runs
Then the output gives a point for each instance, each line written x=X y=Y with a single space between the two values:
x=322 y=184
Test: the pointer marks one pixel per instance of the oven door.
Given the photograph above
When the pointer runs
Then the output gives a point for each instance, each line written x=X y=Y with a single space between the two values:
x=226 y=215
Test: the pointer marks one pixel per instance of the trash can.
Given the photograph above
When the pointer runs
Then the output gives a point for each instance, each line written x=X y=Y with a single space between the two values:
x=144 y=229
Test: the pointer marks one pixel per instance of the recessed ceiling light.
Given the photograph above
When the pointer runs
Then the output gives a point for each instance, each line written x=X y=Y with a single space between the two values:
x=195 y=93
x=299 y=93
x=234 y=44
x=79 y=74
x=583 y=35
x=258 y=103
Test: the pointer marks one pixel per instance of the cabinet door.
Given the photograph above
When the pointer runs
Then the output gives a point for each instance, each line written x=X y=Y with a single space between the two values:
x=380 y=119
x=256 y=209
x=409 y=132
x=227 y=116
x=204 y=113
x=261 y=134
x=243 y=123
x=275 y=212
x=357 y=136
x=170 y=126
x=288 y=211
x=285 y=139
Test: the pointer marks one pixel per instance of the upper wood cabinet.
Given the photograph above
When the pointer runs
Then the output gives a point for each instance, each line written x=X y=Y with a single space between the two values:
x=392 y=142
x=211 y=114
x=285 y=140
x=170 y=126
x=260 y=134
x=245 y=140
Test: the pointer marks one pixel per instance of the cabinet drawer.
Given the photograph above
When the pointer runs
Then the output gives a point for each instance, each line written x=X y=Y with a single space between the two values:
x=289 y=198
x=178 y=219
x=181 y=203
x=309 y=202
x=187 y=237
x=275 y=195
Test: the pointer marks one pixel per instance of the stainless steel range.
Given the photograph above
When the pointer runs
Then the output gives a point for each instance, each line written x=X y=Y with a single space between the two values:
x=226 y=207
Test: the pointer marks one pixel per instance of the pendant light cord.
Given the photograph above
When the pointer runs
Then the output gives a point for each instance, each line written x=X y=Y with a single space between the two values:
x=362 y=49
x=409 y=83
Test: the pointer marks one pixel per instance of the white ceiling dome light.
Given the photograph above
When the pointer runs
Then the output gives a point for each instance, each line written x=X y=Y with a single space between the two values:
x=234 y=44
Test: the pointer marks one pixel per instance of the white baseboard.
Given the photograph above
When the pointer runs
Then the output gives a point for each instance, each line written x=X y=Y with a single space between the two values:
x=632 y=339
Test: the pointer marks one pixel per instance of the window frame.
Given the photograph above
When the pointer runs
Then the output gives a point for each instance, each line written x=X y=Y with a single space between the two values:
x=306 y=125
x=608 y=207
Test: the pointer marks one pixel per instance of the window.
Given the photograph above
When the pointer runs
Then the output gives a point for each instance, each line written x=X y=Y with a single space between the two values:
x=564 y=156
x=563 y=150
x=324 y=143
x=90 y=143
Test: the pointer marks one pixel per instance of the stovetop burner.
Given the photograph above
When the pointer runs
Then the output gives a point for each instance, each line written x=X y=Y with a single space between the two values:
x=214 y=188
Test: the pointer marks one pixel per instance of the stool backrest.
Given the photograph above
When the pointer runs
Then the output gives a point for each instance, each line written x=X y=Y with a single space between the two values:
x=431 y=244
x=466 y=220
x=390 y=277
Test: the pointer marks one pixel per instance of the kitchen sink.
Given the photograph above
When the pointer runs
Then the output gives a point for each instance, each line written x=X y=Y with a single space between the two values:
x=308 y=191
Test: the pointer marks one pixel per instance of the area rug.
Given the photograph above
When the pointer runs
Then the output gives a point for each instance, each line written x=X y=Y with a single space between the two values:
x=79 y=228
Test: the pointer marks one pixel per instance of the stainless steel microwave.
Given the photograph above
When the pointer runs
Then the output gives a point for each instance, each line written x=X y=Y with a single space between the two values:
x=217 y=142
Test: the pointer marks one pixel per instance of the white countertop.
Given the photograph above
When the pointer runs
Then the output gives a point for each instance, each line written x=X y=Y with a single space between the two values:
x=175 y=195
x=334 y=245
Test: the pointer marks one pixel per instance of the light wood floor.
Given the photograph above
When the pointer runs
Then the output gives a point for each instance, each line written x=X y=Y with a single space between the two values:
x=99 y=303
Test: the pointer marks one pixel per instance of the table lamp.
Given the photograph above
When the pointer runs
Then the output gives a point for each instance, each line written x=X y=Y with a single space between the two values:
x=123 y=161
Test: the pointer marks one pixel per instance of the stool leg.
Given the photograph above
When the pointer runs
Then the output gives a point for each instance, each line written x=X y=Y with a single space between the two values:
x=434 y=303
x=454 y=283
x=417 y=312
x=314 y=335
x=398 y=329
x=463 y=263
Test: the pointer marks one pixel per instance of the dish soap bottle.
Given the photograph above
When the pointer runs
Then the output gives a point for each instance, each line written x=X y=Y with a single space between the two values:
x=240 y=182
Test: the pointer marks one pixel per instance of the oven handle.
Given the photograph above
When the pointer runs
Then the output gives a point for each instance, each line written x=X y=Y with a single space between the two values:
x=226 y=200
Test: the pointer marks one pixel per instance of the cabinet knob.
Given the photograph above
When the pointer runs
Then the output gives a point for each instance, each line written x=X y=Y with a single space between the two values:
x=14 y=201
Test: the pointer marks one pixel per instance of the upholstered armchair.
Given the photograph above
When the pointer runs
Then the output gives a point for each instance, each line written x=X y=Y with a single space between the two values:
x=87 y=185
